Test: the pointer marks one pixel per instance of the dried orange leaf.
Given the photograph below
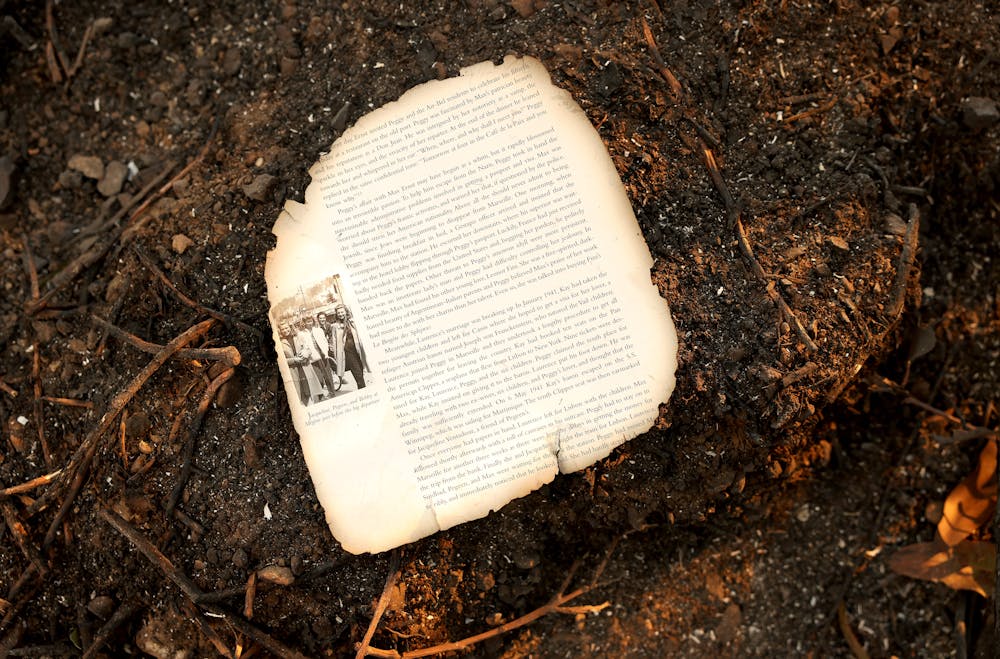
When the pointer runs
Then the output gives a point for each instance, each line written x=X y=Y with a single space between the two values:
x=967 y=566
x=972 y=502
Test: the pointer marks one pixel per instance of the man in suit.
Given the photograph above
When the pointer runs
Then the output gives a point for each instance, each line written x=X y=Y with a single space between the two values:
x=296 y=363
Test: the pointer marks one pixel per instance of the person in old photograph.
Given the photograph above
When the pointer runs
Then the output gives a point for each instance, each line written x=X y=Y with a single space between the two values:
x=348 y=352
x=311 y=343
x=327 y=328
x=296 y=363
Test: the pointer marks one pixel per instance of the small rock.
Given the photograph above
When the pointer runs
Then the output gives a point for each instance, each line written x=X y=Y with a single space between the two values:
x=803 y=513
x=159 y=99
x=179 y=242
x=101 y=606
x=137 y=426
x=232 y=61
x=181 y=187
x=297 y=565
x=894 y=224
x=127 y=40
x=261 y=187
x=729 y=626
x=889 y=39
x=232 y=390
x=89 y=166
x=36 y=210
x=6 y=180
x=287 y=66
x=523 y=7
x=116 y=287
x=315 y=31
x=838 y=242
x=102 y=24
x=250 y=454
x=568 y=51
x=934 y=511
x=774 y=469
x=113 y=180
x=70 y=179
x=979 y=112
x=240 y=559
x=276 y=574
x=524 y=558
x=157 y=640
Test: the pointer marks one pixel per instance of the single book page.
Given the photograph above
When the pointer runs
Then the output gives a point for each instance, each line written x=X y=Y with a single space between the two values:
x=462 y=307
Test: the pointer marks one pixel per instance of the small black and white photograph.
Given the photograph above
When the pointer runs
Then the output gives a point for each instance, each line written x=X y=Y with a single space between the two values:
x=320 y=341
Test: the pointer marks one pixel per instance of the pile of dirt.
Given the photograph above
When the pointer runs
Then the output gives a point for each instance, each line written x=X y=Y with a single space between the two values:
x=778 y=157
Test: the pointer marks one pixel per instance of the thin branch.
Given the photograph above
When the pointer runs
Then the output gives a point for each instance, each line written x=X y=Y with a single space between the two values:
x=811 y=111
x=188 y=456
x=228 y=355
x=21 y=538
x=7 y=389
x=188 y=587
x=675 y=85
x=30 y=485
x=556 y=605
x=124 y=612
x=905 y=264
x=36 y=405
x=79 y=463
x=383 y=602
x=150 y=551
x=223 y=317
x=857 y=649
x=62 y=278
x=551 y=607
x=29 y=264
x=772 y=292
x=68 y=402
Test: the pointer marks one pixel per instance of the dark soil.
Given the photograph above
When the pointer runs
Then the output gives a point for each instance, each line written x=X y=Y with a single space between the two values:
x=777 y=479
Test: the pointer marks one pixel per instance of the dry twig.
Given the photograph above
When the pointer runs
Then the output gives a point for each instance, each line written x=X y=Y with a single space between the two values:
x=7 y=389
x=905 y=264
x=30 y=485
x=811 y=111
x=383 y=602
x=556 y=605
x=78 y=466
x=21 y=538
x=675 y=85
x=733 y=215
x=857 y=649
x=188 y=455
x=218 y=315
x=154 y=555
x=67 y=402
x=123 y=613
x=228 y=355
x=95 y=253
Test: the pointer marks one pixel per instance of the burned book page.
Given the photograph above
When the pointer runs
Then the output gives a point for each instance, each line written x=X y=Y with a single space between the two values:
x=463 y=307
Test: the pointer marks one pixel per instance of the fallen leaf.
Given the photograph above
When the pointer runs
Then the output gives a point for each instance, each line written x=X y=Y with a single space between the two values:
x=966 y=566
x=972 y=502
